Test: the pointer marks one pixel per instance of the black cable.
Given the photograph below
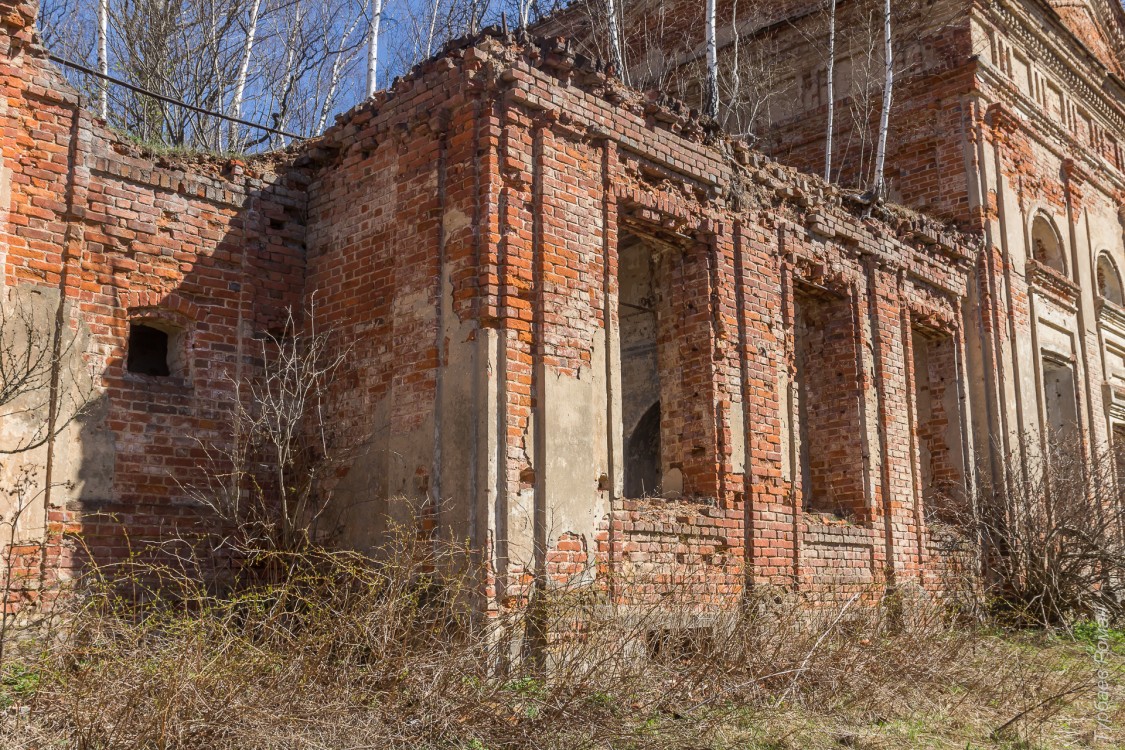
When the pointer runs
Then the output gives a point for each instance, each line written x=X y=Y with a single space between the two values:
x=170 y=100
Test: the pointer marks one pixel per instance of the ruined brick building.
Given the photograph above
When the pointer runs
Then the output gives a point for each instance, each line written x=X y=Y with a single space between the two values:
x=585 y=331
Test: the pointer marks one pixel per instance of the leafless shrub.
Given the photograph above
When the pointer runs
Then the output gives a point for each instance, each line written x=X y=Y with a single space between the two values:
x=267 y=480
x=1050 y=537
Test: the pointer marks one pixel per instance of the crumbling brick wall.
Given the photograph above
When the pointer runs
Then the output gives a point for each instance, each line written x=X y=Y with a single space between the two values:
x=512 y=417
x=459 y=237
x=109 y=236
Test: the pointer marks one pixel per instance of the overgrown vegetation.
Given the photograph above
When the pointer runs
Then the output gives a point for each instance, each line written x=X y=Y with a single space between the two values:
x=1048 y=536
x=348 y=651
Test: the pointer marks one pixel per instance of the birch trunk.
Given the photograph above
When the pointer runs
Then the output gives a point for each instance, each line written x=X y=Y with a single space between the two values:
x=334 y=74
x=243 y=67
x=831 y=84
x=372 y=49
x=433 y=25
x=885 y=115
x=712 y=100
x=103 y=58
x=211 y=50
x=735 y=67
x=615 y=40
x=329 y=97
x=290 y=78
x=474 y=17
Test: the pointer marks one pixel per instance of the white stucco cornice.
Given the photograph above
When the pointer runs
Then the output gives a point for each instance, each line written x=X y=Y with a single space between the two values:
x=1111 y=317
x=1061 y=53
x=1034 y=124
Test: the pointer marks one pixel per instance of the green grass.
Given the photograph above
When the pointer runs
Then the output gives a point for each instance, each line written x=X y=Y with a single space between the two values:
x=1090 y=633
x=17 y=683
x=160 y=148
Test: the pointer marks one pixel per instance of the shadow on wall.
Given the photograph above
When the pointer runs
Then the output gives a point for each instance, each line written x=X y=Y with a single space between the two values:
x=174 y=272
x=161 y=276
x=642 y=455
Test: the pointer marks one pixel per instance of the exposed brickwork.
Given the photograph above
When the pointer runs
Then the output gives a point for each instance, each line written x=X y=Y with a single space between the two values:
x=688 y=549
x=213 y=248
x=825 y=361
x=460 y=236
x=505 y=265
x=1007 y=121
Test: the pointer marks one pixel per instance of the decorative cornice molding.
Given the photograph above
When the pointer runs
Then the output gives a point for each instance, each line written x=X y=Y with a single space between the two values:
x=1016 y=112
x=1114 y=398
x=1062 y=63
x=1052 y=284
x=1111 y=317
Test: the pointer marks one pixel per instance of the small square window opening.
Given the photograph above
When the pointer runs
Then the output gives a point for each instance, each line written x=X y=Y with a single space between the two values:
x=149 y=350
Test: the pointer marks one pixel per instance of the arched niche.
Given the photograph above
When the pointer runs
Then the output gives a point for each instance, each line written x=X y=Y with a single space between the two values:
x=1109 y=280
x=1046 y=243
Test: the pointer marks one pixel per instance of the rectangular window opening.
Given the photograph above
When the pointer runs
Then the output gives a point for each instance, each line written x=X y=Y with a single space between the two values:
x=148 y=350
x=937 y=416
x=1064 y=451
x=638 y=320
x=828 y=404
x=154 y=349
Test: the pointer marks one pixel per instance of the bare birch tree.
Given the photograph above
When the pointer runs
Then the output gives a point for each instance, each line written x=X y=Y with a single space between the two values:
x=831 y=95
x=754 y=78
x=103 y=58
x=243 y=67
x=235 y=57
x=341 y=58
x=373 y=46
x=287 y=64
x=525 y=8
x=885 y=114
x=617 y=55
x=864 y=51
x=711 y=99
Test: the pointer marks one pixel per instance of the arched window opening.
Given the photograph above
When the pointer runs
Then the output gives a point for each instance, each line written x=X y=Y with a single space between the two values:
x=1046 y=244
x=1109 y=281
x=642 y=456
x=639 y=299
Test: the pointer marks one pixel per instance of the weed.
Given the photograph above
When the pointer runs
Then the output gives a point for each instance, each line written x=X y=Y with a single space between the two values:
x=17 y=682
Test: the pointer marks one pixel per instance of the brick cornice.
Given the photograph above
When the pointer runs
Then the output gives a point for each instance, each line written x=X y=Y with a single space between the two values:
x=1052 y=284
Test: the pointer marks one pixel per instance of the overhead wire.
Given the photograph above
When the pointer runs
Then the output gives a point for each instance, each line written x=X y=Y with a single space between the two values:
x=141 y=90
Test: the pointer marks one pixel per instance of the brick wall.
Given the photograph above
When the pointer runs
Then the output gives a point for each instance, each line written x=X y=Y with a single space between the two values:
x=105 y=235
x=829 y=396
x=517 y=281
x=459 y=237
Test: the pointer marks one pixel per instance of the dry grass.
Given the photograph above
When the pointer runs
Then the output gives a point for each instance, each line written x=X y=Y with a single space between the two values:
x=340 y=651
